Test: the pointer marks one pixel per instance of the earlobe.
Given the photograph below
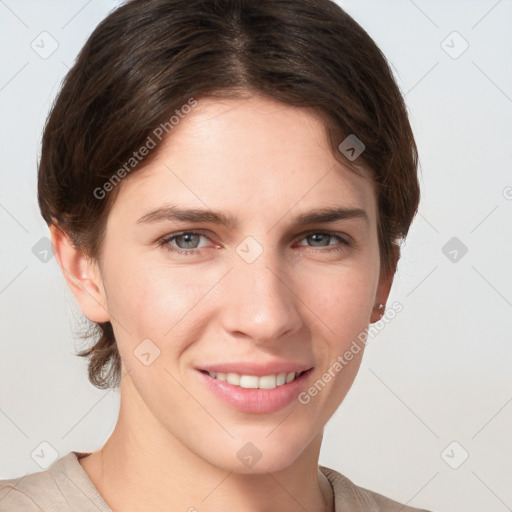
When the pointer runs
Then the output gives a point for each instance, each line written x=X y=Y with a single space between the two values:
x=385 y=282
x=82 y=276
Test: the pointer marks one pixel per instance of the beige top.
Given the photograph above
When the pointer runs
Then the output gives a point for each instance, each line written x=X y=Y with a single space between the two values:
x=66 y=487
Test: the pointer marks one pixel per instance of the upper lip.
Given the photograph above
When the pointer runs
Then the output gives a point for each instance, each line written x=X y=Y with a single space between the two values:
x=258 y=370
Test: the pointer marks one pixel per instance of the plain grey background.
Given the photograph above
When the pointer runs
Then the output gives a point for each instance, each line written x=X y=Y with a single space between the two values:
x=429 y=417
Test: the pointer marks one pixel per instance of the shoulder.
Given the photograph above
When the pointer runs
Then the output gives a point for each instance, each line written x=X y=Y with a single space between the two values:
x=349 y=496
x=29 y=493
x=63 y=486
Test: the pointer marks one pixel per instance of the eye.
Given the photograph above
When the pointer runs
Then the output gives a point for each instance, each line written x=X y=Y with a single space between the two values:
x=322 y=239
x=186 y=242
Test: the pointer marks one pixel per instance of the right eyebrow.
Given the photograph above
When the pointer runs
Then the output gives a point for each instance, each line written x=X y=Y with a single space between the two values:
x=170 y=213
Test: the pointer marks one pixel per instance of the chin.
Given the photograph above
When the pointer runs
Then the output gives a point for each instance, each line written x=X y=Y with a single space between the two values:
x=262 y=454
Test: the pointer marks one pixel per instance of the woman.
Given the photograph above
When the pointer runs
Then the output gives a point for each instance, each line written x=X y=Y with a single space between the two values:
x=226 y=184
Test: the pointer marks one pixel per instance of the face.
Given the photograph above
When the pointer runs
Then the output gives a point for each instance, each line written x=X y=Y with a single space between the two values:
x=245 y=284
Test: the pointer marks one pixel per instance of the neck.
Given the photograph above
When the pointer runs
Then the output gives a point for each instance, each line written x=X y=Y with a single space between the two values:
x=143 y=467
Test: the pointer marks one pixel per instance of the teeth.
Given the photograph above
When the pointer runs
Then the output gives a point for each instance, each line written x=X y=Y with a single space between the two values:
x=267 y=382
x=255 y=382
x=232 y=378
x=290 y=376
x=249 y=381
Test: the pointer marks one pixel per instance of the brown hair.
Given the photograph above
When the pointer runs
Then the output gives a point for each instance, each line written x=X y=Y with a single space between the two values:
x=148 y=58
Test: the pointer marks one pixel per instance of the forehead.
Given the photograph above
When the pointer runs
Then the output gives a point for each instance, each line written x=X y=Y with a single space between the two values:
x=253 y=153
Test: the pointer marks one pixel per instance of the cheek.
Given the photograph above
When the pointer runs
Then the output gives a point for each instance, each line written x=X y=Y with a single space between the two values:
x=339 y=306
x=151 y=300
x=340 y=299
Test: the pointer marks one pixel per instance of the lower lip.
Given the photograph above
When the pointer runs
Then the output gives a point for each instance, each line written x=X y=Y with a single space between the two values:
x=256 y=400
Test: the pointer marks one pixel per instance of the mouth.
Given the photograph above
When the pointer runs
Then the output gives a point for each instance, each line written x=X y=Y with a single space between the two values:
x=257 y=394
x=270 y=381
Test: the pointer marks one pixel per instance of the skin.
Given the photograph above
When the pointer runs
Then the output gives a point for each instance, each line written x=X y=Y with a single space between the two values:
x=175 y=443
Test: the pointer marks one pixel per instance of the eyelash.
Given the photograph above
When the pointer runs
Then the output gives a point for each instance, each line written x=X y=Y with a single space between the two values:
x=166 y=242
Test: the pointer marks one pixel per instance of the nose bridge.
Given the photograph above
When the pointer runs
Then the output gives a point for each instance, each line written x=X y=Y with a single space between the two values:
x=261 y=303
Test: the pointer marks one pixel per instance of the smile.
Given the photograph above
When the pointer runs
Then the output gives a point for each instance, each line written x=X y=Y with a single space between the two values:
x=254 y=382
x=257 y=394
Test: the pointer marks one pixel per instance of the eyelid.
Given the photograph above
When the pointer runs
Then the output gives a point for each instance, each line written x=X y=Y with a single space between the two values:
x=166 y=239
x=346 y=237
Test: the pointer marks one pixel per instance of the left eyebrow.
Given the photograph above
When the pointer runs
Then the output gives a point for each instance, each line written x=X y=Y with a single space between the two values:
x=326 y=215
x=319 y=216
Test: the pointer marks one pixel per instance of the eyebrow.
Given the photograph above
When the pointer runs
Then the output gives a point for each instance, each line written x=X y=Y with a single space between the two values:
x=318 y=216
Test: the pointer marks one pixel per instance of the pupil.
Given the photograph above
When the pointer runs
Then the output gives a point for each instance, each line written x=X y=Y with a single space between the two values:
x=187 y=238
x=317 y=237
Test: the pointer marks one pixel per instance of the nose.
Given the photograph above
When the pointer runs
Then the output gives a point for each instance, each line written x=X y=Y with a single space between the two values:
x=260 y=302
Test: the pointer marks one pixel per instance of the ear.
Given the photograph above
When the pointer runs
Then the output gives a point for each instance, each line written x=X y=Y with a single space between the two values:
x=384 y=287
x=82 y=276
